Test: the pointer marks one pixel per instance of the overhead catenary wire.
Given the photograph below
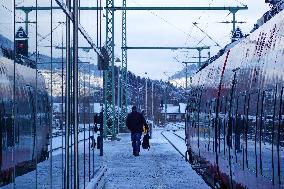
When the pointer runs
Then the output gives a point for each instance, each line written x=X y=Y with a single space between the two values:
x=206 y=34
x=199 y=18
x=188 y=35
x=167 y=22
x=50 y=33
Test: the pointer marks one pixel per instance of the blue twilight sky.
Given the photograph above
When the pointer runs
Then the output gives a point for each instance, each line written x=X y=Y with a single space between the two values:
x=145 y=28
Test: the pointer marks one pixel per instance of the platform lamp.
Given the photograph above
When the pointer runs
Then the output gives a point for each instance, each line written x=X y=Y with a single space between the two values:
x=119 y=96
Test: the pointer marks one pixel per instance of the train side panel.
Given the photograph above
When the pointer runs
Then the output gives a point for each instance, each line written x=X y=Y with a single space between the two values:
x=235 y=113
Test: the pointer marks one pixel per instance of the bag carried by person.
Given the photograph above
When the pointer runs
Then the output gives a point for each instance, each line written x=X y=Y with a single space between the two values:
x=146 y=143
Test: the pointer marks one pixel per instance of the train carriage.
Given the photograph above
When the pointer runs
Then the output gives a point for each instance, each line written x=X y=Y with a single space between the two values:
x=235 y=112
x=24 y=119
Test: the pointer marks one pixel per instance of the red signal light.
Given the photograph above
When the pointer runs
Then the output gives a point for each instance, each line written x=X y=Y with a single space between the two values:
x=21 y=45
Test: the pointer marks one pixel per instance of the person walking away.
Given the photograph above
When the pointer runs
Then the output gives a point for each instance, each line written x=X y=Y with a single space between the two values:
x=135 y=122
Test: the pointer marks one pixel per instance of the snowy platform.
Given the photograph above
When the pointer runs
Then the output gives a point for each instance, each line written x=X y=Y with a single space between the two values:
x=161 y=167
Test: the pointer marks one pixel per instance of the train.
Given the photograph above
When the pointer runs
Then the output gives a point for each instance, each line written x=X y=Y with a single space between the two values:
x=235 y=111
x=24 y=117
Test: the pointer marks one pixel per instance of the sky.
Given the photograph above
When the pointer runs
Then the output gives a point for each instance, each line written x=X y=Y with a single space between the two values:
x=144 y=28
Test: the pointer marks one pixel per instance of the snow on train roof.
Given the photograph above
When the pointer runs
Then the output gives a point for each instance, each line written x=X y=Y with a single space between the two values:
x=277 y=8
x=24 y=73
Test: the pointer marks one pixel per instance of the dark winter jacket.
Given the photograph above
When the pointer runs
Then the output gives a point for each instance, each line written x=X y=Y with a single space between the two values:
x=135 y=122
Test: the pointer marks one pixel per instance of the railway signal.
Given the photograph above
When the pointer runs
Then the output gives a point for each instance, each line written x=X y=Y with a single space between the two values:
x=21 y=42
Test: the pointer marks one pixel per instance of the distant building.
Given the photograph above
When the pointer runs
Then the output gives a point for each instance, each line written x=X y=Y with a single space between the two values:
x=174 y=113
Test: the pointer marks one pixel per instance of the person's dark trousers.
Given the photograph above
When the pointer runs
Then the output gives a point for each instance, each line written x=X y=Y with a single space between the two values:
x=136 y=142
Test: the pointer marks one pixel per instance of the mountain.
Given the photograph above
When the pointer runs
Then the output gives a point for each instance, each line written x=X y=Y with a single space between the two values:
x=6 y=43
x=191 y=70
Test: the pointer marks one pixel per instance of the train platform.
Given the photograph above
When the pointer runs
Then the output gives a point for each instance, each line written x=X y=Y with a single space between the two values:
x=160 y=167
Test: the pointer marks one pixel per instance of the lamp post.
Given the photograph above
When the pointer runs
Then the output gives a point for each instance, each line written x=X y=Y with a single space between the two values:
x=146 y=93
x=153 y=102
x=138 y=103
x=119 y=105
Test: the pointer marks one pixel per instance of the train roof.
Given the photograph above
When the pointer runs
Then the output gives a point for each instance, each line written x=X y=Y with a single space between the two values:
x=275 y=9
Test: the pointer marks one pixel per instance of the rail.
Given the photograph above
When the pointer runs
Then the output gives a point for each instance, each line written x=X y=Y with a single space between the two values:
x=175 y=147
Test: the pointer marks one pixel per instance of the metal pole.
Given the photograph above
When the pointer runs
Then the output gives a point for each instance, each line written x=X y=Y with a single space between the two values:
x=84 y=115
x=51 y=92
x=14 y=100
x=109 y=111
x=36 y=94
x=153 y=102
x=62 y=100
x=166 y=106
x=146 y=95
x=234 y=21
x=27 y=22
x=186 y=76
x=90 y=113
x=75 y=88
x=124 y=80
x=118 y=100
x=68 y=97
x=112 y=79
x=199 y=57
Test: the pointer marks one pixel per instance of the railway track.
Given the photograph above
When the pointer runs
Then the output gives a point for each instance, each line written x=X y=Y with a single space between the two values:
x=176 y=141
x=60 y=147
x=179 y=136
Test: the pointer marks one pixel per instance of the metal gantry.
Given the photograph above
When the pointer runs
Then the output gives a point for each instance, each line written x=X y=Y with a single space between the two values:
x=164 y=48
x=69 y=14
x=124 y=9
x=109 y=92
x=124 y=78
x=27 y=11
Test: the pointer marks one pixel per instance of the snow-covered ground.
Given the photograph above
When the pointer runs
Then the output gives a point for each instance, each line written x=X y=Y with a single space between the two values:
x=161 y=167
x=42 y=177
